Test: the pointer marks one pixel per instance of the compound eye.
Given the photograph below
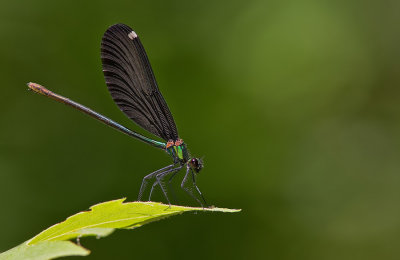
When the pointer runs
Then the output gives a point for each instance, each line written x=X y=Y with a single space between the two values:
x=194 y=162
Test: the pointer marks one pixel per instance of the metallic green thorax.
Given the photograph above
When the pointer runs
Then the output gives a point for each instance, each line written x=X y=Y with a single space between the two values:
x=179 y=153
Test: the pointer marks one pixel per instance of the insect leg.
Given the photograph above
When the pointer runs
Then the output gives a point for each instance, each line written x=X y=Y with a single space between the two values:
x=197 y=188
x=189 y=190
x=170 y=186
x=159 y=180
x=149 y=176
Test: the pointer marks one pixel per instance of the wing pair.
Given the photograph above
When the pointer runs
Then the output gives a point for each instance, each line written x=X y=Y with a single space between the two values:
x=132 y=84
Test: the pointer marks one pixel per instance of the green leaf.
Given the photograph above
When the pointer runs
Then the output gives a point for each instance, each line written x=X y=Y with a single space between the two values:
x=103 y=218
x=44 y=250
x=100 y=221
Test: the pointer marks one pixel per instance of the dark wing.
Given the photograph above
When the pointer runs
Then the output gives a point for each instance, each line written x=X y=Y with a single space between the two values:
x=132 y=84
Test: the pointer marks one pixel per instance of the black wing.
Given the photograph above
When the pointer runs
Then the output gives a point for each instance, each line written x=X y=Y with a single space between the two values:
x=132 y=84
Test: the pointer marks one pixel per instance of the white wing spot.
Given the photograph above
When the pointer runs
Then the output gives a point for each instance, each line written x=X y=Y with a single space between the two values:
x=132 y=35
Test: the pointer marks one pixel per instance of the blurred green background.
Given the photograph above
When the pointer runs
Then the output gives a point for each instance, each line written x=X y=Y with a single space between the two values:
x=294 y=104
